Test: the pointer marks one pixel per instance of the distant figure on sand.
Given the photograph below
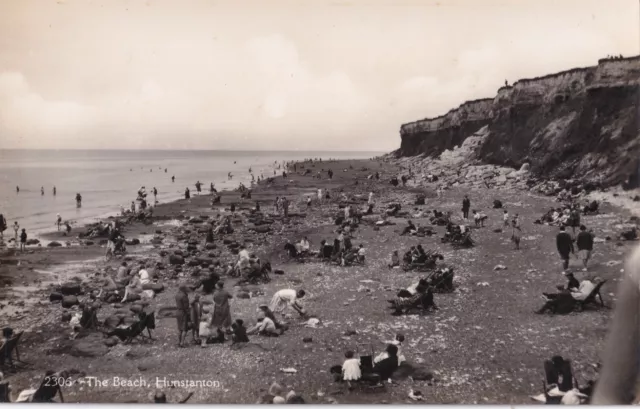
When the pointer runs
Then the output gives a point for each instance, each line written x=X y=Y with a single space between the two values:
x=58 y=221
x=17 y=189
x=173 y=179
x=23 y=239
x=42 y=191
x=466 y=205
x=198 y=187
x=78 y=200
x=54 y=191
x=182 y=314
x=187 y=194
x=155 y=194
x=16 y=229
x=3 y=225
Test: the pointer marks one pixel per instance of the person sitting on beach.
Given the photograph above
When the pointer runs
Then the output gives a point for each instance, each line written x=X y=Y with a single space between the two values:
x=384 y=355
x=410 y=228
x=239 y=332
x=304 y=245
x=361 y=252
x=265 y=327
x=208 y=284
x=386 y=367
x=135 y=286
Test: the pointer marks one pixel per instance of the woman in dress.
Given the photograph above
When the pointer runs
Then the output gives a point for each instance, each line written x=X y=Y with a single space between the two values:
x=221 y=310
x=206 y=315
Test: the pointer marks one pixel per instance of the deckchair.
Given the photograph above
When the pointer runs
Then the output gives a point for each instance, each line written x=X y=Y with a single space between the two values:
x=592 y=297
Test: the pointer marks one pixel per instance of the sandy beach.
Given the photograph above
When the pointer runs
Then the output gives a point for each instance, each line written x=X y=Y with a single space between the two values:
x=483 y=345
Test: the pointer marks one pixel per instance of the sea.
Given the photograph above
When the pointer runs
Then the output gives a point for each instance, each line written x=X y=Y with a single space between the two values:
x=109 y=179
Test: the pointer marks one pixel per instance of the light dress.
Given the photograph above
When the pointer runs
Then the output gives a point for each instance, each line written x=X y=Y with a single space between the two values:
x=351 y=370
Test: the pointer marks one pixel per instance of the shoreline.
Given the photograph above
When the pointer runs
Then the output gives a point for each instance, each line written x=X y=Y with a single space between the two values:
x=334 y=297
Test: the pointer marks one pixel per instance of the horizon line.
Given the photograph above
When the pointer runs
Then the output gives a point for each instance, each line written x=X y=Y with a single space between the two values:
x=189 y=150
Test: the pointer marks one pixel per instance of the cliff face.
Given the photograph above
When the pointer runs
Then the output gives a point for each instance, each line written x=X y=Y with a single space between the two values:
x=582 y=123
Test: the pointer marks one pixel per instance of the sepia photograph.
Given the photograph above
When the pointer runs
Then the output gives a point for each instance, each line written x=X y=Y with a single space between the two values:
x=320 y=201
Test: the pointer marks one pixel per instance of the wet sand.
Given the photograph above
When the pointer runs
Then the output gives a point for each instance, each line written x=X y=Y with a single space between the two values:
x=484 y=345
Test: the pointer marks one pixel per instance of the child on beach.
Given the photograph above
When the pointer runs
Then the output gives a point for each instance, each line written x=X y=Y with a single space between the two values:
x=351 y=368
x=195 y=317
x=23 y=239
x=239 y=332
x=517 y=232
x=16 y=229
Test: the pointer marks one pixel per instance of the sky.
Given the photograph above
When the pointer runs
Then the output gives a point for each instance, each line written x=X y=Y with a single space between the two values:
x=276 y=74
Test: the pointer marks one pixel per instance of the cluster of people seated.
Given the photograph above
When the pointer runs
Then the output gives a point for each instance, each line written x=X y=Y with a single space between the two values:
x=129 y=284
x=414 y=230
x=568 y=216
x=223 y=226
x=570 y=295
x=560 y=386
x=459 y=235
x=416 y=257
x=440 y=218
x=298 y=250
x=250 y=268
x=369 y=369
x=276 y=396
x=416 y=296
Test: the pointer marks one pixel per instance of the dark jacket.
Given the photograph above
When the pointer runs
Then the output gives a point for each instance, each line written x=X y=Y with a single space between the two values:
x=466 y=204
x=564 y=243
x=585 y=241
x=386 y=367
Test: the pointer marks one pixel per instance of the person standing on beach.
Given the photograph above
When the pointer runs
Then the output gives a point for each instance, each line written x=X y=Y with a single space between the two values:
x=173 y=179
x=187 y=194
x=183 y=313
x=564 y=244
x=16 y=229
x=155 y=195
x=276 y=205
x=54 y=191
x=23 y=239
x=133 y=206
x=285 y=206
x=3 y=225
x=78 y=200
x=320 y=195
x=198 y=187
x=17 y=189
x=585 y=245
x=516 y=233
x=42 y=191
x=466 y=205
x=58 y=221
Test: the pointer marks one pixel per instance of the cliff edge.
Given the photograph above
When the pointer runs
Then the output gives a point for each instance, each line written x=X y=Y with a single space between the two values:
x=582 y=123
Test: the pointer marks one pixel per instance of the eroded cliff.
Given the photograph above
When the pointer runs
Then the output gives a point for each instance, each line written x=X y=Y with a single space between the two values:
x=581 y=123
